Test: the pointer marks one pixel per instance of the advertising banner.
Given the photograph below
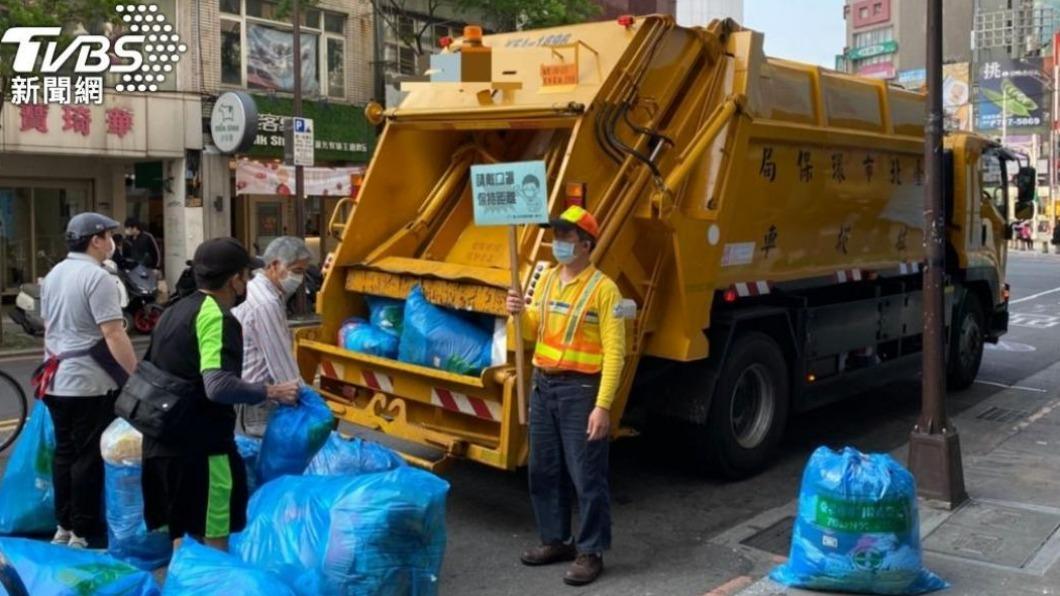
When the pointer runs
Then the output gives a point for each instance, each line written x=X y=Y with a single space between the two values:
x=957 y=96
x=270 y=61
x=270 y=178
x=1011 y=91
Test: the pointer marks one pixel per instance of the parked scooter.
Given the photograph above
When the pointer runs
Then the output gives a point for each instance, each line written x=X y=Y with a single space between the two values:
x=27 y=313
x=141 y=285
x=185 y=286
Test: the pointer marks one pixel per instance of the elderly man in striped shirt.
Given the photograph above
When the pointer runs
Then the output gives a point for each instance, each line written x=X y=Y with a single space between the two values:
x=268 y=355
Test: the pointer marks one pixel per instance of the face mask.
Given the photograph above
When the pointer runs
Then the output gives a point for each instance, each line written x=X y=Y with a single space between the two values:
x=113 y=247
x=563 y=251
x=241 y=292
x=290 y=283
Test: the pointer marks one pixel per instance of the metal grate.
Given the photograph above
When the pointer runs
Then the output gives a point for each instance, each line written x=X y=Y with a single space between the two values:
x=775 y=539
x=1003 y=415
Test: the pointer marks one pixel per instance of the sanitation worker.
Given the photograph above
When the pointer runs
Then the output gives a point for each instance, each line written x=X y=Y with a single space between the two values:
x=574 y=318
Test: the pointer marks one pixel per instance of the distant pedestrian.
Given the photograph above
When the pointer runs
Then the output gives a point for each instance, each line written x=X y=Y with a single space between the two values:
x=88 y=356
x=1026 y=235
x=141 y=246
x=268 y=351
x=1056 y=235
x=580 y=337
x=198 y=485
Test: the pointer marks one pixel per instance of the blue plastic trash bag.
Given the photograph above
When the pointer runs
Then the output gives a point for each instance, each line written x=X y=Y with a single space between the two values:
x=127 y=535
x=348 y=457
x=857 y=528
x=374 y=534
x=27 y=498
x=294 y=435
x=386 y=314
x=248 y=448
x=432 y=336
x=63 y=571
x=358 y=335
x=199 y=570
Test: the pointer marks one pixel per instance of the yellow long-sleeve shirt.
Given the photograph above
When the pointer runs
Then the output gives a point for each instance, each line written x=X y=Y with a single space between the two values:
x=602 y=323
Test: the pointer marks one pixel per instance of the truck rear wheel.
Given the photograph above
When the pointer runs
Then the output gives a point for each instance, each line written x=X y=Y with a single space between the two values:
x=749 y=408
x=966 y=344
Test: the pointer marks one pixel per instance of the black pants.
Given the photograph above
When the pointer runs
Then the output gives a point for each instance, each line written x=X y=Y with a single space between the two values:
x=77 y=471
x=563 y=460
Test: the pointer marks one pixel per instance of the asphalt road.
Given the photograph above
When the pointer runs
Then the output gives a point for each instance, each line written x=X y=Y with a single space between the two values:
x=665 y=514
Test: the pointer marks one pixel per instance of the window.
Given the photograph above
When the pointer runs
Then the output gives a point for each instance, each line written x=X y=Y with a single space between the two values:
x=877 y=9
x=874 y=37
x=864 y=12
x=406 y=61
x=231 y=52
x=256 y=48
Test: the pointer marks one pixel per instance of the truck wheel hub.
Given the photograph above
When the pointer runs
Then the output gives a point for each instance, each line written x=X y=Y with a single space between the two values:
x=752 y=406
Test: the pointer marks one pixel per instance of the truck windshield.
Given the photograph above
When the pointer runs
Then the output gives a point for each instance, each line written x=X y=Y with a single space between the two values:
x=996 y=169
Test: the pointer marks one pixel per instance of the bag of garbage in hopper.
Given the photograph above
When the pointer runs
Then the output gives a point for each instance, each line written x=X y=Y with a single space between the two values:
x=27 y=497
x=199 y=570
x=58 y=570
x=358 y=335
x=386 y=314
x=857 y=528
x=432 y=336
x=294 y=435
x=127 y=536
x=348 y=457
x=249 y=448
x=373 y=534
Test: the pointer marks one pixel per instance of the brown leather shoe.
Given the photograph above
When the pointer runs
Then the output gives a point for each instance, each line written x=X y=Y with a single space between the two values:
x=547 y=554
x=584 y=570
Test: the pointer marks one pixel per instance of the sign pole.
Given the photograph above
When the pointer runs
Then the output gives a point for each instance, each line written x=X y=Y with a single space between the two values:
x=520 y=352
x=299 y=174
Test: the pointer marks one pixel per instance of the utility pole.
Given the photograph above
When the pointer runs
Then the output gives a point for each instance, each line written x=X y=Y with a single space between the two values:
x=934 y=447
x=379 y=71
x=299 y=174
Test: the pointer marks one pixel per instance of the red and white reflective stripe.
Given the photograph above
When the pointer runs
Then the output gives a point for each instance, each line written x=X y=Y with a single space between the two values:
x=331 y=370
x=472 y=406
x=751 y=288
x=844 y=275
x=378 y=381
x=907 y=268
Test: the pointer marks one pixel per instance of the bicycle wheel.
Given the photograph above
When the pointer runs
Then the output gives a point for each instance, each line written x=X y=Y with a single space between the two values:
x=13 y=409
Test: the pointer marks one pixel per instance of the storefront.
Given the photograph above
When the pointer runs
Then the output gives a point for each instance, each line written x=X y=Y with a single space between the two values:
x=60 y=160
x=263 y=187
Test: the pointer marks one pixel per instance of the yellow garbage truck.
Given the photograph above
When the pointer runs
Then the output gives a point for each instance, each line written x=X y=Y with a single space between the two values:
x=763 y=216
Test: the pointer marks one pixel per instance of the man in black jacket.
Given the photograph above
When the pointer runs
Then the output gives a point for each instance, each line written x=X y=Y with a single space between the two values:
x=140 y=246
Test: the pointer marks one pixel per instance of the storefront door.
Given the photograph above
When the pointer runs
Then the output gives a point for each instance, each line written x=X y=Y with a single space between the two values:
x=268 y=220
x=33 y=218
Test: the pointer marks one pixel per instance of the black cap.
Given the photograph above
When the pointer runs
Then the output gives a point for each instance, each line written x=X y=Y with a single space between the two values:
x=222 y=257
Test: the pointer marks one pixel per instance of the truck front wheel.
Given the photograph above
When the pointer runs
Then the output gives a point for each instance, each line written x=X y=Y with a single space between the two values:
x=966 y=344
x=749 y=408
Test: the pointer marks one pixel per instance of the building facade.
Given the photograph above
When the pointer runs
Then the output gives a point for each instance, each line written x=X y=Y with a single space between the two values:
x=697 y=13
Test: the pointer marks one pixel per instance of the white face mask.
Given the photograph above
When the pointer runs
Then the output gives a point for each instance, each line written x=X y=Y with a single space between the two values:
x=291 y=282
x=113 y=247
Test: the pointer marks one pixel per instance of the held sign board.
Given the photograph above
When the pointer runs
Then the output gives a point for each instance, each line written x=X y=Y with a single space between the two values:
x=510 y=193
x=298 y=144
x=234 y=122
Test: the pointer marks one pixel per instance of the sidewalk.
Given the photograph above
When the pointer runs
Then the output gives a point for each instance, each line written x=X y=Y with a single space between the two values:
x=1004 y=541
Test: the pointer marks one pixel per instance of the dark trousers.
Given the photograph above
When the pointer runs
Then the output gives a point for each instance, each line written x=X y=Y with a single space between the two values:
x=562 y=458
x=77 y=471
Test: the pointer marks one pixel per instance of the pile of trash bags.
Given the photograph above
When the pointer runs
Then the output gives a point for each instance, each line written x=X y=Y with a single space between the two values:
x=127 y=535
x=294 y=435
x=377 y=533
x=857 y=528
x=27 y=497
x=418 y=332
x=63 y=571
x=198 y=570
x=249 y=448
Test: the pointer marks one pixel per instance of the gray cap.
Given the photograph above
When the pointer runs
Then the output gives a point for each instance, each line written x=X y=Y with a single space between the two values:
x=89 y=224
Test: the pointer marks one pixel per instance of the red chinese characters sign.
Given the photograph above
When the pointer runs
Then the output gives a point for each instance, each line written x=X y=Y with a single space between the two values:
x=76 y=119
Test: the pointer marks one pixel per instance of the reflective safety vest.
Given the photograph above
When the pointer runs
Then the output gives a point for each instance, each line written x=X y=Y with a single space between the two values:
x=573 y=341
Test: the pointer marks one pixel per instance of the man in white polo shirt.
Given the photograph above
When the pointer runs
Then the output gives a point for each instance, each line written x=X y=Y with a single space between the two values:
x=88 y=356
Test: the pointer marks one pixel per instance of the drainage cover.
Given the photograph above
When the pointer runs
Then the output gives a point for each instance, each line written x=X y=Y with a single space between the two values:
x=1000 y=534
x=996 y=414
x=775 y=539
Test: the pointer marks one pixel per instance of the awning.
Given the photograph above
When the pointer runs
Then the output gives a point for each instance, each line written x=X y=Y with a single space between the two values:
x=274 y=178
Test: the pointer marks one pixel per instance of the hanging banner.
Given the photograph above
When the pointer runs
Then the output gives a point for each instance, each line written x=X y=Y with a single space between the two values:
x=1012 y=91
x=271 y=178
x=957 y=96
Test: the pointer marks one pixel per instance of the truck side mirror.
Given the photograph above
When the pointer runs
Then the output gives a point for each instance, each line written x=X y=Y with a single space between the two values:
x=1025 y=211
x=1026 y=183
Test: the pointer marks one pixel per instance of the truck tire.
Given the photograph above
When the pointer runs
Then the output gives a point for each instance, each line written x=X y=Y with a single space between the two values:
x=966 y=344
x=749 y=408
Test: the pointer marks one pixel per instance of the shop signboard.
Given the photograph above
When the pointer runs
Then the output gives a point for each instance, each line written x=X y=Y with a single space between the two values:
x=341 y=133
x=883 y=70
x=1011 y=92
x=876 y=49
x=912 y=79
x=233 y=122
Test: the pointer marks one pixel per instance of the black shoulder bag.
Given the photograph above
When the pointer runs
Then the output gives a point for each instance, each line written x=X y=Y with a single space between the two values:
x=157 y=403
